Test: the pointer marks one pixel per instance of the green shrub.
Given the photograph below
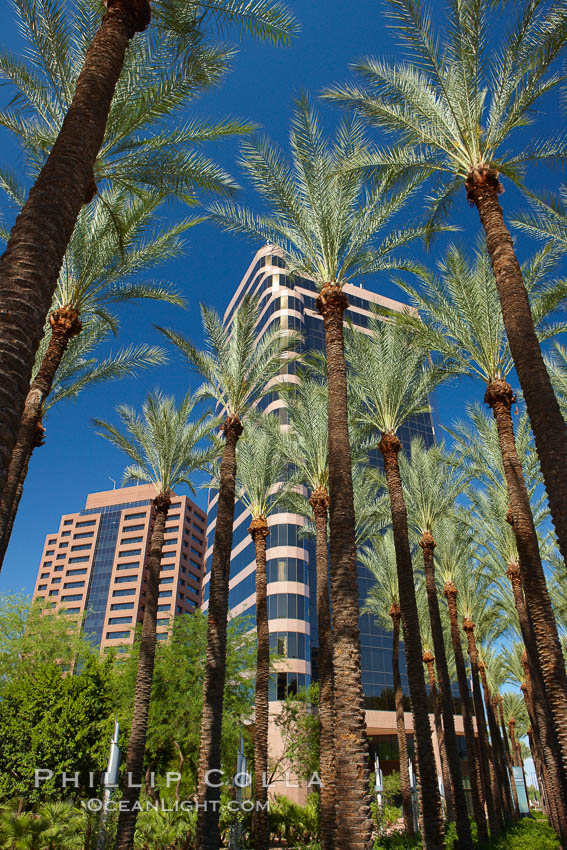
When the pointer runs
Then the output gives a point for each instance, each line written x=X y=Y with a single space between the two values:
x=527 y=834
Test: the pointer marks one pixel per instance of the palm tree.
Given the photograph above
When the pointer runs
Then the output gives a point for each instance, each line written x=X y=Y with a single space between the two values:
x=261 y=467
x=492 y=779
x=514 y=670
x=452 y=560
x=517 y=721
x=162 y=830
x=80 y=369
x=326 y=223
x=383 y=603
x=460 y=320
x=392 y=380
x=478 y=449
x=485 y=663
x=453 y=108
x=429 y=661
x=186 y=33
x=495 y=674
x=476 y=590
x=431 y=490
x=238 y=371
x=164 y=446
x=490 y=521
x=93 y=278
x=306 y=446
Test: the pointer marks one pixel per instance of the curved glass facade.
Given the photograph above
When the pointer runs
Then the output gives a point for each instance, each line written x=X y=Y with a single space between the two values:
x=289 y=303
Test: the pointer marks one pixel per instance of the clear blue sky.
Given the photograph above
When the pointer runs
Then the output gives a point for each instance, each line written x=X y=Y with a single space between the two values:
x=74 y=461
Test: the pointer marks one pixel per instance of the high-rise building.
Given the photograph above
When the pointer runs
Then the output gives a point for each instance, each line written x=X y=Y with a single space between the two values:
x=289 y=303
x=96 y=563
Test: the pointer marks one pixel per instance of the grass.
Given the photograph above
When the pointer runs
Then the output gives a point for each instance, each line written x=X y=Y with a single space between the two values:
x=527 y=834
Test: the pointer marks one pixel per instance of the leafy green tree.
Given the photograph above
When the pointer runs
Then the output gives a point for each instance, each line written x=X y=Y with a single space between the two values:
x=392 y=380
x=172 y=742
x=333 y=228
x=454 y=107
x=78 y=107
x=238 y=370
x=33 y=636
x=299 y=729
x=49 y=721
x=165 y=447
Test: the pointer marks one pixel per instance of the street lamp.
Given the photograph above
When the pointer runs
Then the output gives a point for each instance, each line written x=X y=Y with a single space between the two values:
x=109 y=782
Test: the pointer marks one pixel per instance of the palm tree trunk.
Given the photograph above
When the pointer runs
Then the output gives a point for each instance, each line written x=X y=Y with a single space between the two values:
x=450 y=592
x=499 y=703
x=512 y=733
x=65 y=324
x=493 y=802
x=558 y=812
x=260 y=823
x=208 y=836
x=319 y=501
x=541 y=721
x=429 y=661
x=428 y=544
x=30 y=266
x=390 y=446
x=536 y=750
x=497 y=749
x=5 y=540
x=351 y=742
x=548 y=426
x=536 y=756
x=137 y=742
x=407 y=807
x=500 y=397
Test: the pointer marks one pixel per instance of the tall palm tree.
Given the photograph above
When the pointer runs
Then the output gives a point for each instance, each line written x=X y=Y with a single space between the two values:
x=485 y=661
x=492 y=778
x=475 y=593
x=261 y=467
x=454 y=108
x=96 y=274
x=477 y=447
x=327 y=225
x=383 y=603
x=460 y=320
x=80 y=369
x=307 y=448
x=431 y=490
x=494 y=672
x=392 y=380
x=429 y=661
x=514 y=673
x=79 y=110
x=556 y=363
x=489 y=520
x=238 y=371
x=452 y=559
x=164 y=447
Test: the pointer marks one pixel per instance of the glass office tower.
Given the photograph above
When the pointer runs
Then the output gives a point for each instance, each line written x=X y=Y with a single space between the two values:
x=289 y=303
x=97 y=563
